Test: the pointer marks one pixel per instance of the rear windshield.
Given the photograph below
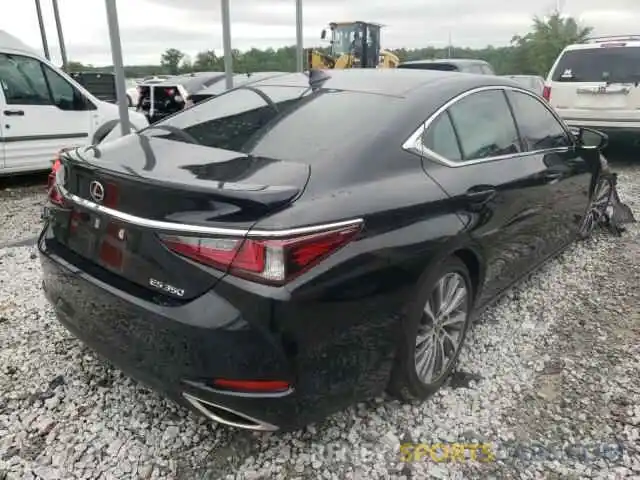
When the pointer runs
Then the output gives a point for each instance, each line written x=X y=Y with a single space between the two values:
x=303 y=125
x=612 y=64
x=448 y=67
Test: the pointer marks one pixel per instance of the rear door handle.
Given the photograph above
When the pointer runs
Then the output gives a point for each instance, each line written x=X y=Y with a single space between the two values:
x=14 y=113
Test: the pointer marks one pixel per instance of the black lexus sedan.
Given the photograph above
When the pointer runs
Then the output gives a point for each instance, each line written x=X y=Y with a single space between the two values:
x=285 y=249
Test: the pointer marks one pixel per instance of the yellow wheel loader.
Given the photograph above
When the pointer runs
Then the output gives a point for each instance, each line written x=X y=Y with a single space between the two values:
x=352 y=45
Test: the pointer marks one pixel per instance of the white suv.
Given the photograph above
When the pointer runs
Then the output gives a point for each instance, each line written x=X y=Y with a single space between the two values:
x=596 y=84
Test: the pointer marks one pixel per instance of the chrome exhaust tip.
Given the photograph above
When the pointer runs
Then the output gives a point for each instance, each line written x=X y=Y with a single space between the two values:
x=228 y=416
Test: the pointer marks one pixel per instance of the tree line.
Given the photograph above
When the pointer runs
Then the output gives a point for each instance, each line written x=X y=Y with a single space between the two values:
x=530 y=54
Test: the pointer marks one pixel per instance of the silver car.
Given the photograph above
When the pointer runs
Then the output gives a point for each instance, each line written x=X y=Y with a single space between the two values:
x=531 y=82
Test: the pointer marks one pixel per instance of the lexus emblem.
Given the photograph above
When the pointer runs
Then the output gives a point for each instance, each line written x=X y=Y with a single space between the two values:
x=96 y=190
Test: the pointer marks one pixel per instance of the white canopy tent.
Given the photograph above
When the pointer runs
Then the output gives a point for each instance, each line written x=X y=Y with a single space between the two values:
x=116 y=49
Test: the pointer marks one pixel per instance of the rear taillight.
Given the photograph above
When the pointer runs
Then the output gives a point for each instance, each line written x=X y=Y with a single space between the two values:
x=270 y=261
x=546 y=93
x=53 y=193
x=257 y=386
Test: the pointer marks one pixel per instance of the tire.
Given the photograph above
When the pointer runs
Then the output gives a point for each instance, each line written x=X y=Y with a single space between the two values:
x=597 y=209
x=405 y=382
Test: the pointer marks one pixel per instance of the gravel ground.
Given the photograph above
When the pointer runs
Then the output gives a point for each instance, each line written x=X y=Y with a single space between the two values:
x=557 y=360
x=20 y=208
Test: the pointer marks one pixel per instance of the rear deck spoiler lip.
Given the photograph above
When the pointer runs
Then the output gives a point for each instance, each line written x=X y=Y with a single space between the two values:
x=264 y=196
x=163 y=226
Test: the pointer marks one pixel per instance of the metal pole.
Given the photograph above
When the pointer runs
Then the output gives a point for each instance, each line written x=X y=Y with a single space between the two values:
x=118 y=66
x=43 y=33
x=226 y=44
x=63 y=50
x=299 y=45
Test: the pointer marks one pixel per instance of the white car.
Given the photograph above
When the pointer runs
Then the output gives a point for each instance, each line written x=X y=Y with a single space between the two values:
x=133 y=87
x=596 y=84
x=43 y=110
x=531 y=82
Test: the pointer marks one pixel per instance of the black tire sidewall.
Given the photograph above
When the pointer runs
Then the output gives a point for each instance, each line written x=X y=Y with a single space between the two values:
x=602 y=179
x=404 y=379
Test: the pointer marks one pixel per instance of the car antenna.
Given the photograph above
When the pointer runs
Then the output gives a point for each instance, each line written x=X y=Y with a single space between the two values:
x=317 y=77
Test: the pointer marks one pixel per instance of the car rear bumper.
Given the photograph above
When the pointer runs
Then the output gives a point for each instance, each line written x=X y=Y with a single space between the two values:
x=175 y=350
x=179 y=350
x=608 y=121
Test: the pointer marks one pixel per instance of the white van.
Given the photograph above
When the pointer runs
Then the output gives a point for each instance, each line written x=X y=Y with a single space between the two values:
x=43 y=110
x=596 y=84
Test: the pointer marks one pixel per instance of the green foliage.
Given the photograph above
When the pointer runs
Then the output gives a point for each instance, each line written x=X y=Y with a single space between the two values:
x=531 y=54
x=170 y=60
x=537 y=50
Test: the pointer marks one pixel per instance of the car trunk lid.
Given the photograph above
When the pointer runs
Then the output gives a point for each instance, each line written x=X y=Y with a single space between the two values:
x=121 y=196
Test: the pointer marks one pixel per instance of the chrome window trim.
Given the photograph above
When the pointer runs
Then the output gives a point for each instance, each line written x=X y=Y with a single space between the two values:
x=413 y=144
x=174 y=227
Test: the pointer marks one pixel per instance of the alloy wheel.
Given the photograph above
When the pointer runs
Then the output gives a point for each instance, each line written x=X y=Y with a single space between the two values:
x=441 y=329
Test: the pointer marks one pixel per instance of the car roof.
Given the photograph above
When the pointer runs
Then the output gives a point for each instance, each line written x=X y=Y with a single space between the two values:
x=192 y=81
x=525 y=76
x=390 y=82
x=455 y=61
x=603 y=42
x=10 y=42
x=238 y=80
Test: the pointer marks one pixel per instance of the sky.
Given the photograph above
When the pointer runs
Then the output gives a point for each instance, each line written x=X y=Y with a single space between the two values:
x=149 y=27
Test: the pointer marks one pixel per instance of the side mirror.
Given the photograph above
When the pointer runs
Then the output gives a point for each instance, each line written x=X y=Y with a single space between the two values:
x=590 y=139
x=323 y=34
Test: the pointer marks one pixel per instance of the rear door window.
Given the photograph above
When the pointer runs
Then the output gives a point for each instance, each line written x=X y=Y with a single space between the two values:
x=601 y=64
x=539 y=129
x=485 y=125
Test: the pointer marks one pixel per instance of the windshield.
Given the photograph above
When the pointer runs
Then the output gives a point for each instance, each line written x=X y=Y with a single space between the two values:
x=301 y=129
x=604 y=64
x=343 y=39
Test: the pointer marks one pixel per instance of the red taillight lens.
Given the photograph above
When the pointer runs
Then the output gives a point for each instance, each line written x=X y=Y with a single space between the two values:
x=546 y=93
x=263 y=386
x=267 y=261
x=53 y=193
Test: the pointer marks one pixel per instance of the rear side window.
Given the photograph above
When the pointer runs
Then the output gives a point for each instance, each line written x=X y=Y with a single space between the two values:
x=538 y=127
x=440 y=138
x=485 y=125
x=601 y=64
